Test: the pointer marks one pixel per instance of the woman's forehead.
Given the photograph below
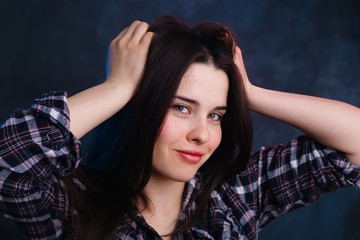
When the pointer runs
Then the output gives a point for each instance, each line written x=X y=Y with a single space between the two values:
x=205 y=82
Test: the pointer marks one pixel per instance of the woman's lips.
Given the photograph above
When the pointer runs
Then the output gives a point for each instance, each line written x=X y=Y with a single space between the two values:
x=193 y=157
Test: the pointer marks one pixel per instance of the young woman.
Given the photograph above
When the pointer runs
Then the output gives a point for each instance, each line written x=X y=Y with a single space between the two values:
x=170 y=156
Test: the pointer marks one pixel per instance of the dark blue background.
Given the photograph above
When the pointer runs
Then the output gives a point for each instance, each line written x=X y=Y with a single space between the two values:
x=309 y=46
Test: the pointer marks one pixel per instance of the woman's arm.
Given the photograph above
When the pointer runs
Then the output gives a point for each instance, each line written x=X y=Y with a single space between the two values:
x=332 y=123
x=128 y=53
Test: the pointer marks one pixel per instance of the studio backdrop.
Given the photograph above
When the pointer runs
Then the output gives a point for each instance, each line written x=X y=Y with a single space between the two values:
x=301 y=46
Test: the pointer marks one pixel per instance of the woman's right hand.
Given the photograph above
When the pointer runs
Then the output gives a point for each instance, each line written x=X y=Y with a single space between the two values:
x=127 y=56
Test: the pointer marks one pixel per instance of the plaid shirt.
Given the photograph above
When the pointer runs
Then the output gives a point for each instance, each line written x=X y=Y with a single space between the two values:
x=37 y=148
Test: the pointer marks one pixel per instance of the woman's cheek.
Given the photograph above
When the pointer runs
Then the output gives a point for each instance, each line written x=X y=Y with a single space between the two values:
x=216 y=137
x=171 y=129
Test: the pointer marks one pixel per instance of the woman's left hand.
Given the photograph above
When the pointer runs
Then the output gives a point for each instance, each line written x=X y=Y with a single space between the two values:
x=334 y=124
x=241 y=67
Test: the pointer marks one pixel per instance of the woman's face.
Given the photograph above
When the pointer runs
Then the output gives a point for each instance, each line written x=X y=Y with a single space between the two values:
x=192 y=128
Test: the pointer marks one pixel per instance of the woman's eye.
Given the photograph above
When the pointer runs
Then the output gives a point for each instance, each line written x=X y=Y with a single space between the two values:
x=215 y=116
x=181 y=109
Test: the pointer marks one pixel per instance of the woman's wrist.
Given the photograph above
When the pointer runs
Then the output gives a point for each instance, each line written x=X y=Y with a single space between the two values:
x=119 y=89
x=251 y=94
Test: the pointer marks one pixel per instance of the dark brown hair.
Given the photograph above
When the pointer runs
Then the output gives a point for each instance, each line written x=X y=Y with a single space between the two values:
x=119 y=163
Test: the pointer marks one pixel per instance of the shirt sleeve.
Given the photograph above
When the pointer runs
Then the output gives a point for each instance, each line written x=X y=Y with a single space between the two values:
x=286 y=177
x=36 y=147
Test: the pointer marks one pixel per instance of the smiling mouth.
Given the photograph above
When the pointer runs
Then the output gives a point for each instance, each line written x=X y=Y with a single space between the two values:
x=192 y=157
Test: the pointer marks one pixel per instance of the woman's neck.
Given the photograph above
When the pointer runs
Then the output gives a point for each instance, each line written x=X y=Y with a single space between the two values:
x=164 y=205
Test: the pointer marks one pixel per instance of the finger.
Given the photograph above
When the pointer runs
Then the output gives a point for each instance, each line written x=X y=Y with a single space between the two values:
x=238 y=53
x=238 y=58
x=130 y=31
x=146 y=41
x=239 y=61
x=147 y=38
x=126 y=31
x=139 y=32
x=121 y=34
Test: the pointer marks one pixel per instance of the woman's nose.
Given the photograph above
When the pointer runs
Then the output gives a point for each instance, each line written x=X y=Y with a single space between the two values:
x=199 y=132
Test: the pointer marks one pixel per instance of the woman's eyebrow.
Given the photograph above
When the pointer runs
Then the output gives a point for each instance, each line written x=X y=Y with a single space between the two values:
x=189 y=100
x=221 y=108
x=194 y=102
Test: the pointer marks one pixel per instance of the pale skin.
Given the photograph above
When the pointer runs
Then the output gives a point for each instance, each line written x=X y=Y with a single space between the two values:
x=190 y=134
x=333 y=123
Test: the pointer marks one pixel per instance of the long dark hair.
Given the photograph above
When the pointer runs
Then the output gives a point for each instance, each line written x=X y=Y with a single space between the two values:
x=119 y=161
